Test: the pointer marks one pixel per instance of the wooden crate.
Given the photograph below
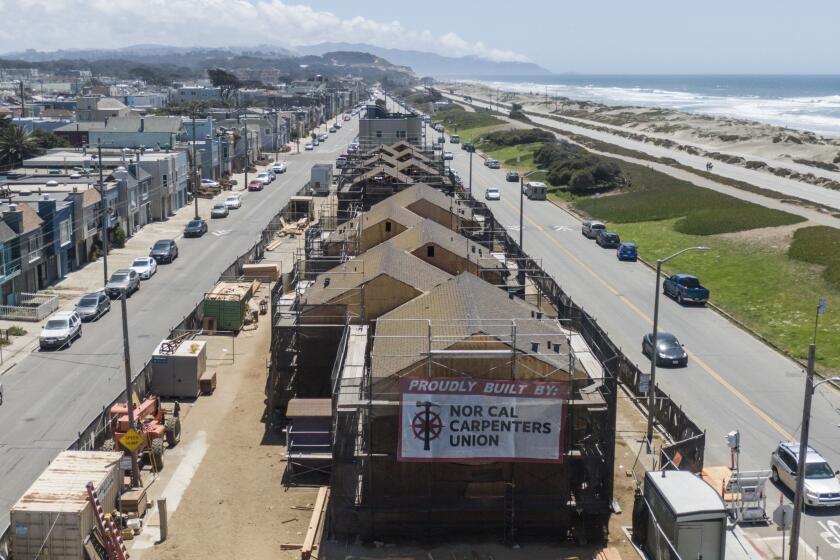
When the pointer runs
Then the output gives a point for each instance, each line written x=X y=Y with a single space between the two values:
x=207 y=382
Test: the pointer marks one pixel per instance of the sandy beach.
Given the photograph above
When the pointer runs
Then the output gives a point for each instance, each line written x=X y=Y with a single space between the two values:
x=784 y=152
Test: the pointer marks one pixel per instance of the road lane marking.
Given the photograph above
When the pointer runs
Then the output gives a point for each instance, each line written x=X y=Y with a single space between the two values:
x=703 y=365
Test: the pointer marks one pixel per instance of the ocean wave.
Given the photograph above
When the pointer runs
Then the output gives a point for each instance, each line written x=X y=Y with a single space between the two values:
x=819 y=114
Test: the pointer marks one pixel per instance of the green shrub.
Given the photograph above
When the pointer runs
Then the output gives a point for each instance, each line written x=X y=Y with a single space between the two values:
x=818 y=245
x=576 y=169
x=119 y=237
x=727 y=220
x=15 y=330
x=500 y=138
x=454 y=116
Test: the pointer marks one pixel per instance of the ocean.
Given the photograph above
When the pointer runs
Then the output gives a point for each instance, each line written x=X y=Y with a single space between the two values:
x=794 y=101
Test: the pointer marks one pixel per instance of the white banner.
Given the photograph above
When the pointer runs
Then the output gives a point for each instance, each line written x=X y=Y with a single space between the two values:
x=450 y=419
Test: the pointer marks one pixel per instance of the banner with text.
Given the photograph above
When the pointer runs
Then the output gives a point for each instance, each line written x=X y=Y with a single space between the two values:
x=446 y=419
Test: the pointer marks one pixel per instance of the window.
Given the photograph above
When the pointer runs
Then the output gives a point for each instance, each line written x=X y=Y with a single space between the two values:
x=430 y=250
x=387 y=227
x=165 y=181
x=401 y=134
x=64 y=233
x=379 y=134
x=34 y=248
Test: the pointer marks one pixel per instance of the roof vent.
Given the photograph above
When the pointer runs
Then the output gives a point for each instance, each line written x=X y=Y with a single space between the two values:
x=12 y=207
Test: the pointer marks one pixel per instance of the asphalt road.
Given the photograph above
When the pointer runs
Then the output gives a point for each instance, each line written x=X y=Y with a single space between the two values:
x=51 y=396
x=733 y=381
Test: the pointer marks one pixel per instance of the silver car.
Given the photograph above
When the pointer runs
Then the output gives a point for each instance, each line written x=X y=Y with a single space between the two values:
x=590 y=228
x=93 y=306
x=123 y=280
x=822 y=489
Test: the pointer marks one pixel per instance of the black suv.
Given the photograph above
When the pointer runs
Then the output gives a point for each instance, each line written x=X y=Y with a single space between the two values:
x=164 y=251
x=512 y=176
x=608 y=239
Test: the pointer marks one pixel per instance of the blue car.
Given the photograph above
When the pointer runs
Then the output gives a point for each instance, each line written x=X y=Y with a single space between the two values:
x=627 y=252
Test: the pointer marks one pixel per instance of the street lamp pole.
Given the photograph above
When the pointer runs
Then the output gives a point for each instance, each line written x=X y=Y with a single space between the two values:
x=810 y=387
x=195 y=168
x=105 y=218
x=521 y=211
x=471 y=154
x=655 y=341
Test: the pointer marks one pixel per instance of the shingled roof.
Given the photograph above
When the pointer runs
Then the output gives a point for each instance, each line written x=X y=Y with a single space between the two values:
x=385 y=210
x=461 y=308
x=384 y=259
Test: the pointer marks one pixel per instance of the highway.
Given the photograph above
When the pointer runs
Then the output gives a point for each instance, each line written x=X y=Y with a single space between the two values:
x=51 y=396
x=733 y=381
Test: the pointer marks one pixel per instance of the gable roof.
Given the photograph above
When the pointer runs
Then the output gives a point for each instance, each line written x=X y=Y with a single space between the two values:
x=383 y=259
x=382 y=170
x=429 y=231
x=6 y=233
x=422 y=191
x=464 y=306
x=415 y=164
x=31 y=220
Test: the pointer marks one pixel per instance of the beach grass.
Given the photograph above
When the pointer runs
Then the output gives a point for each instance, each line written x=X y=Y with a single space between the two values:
x=819 y=245
x=651 y=195
x=759 y=285
x=457 y=119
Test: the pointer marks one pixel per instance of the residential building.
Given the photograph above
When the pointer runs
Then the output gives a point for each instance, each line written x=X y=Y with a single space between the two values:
x=26 y=266
x=378 y=126
x=194 y=94
x=137 y=132
x=91 y=109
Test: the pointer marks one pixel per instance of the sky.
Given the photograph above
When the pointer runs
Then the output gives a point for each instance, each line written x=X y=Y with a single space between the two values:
x=588 y=37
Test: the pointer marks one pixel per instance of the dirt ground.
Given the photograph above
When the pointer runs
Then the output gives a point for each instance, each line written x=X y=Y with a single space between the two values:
x=779 y=237
x=234 y=506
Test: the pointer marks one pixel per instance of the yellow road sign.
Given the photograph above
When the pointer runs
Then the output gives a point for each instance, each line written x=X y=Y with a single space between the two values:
x=131 y=440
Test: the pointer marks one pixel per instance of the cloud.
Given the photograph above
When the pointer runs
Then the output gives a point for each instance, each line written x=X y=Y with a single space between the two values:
x=67 y=24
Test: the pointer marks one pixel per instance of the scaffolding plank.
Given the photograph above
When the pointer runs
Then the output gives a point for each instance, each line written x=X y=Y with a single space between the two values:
x=315 y=522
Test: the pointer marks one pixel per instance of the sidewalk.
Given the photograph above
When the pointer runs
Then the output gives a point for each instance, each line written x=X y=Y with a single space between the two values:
x=89 y=278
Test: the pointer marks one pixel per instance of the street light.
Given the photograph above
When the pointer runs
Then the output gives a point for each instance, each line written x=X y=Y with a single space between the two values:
x=810 y=387
x=655 y=346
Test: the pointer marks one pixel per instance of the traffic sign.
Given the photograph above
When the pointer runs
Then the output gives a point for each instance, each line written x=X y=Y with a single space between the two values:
x=131 y=440
x=783 y=515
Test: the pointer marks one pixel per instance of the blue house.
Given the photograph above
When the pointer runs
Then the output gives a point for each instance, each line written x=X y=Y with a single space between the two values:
x=58 y=236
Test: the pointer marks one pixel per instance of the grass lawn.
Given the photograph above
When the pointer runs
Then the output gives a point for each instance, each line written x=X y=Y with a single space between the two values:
x=762 y=287
x=507 y=156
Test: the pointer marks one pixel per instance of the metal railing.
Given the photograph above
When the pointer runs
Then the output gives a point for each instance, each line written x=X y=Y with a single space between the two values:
x=32 y=307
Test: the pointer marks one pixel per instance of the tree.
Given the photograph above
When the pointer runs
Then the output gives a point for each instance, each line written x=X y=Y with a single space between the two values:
x=224 y=80
x=517 y=113
x=16 y=145
x=47 y=140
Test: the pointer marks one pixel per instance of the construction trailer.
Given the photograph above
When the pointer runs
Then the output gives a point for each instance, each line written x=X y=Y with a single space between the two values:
x=470 y=458
x=227 y=304
x=177 y=367
x=686 y=517
x=55 y=518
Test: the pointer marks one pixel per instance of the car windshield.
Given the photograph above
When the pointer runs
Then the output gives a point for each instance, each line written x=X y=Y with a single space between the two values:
x=88 y=301
x=194 y=223
x=140 y=262
x=667 y=342
x=231 y=199
x=56 y=324
x=119 y=277
x=219 y=206
x=818 y=470
x=691 y=282
x=161 y=246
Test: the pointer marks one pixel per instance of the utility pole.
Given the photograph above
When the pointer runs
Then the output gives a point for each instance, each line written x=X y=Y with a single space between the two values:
x=471 y=150
x=195 y=168
x=803 y=438
x=246 y=151
x=521 y=212
x=22 y=102
x=135 y=471
x=106 y=218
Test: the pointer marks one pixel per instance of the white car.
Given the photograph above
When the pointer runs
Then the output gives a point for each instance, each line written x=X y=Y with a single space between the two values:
x=316 y=142
x=145 y=267
x=60 y=330
x=448 y=155
x=337 y=125
x=263 y=178
x=279 y=167
x=492 y=194
x=209 y=183
x=309 y=146
x=822 y=489
x=233 y=201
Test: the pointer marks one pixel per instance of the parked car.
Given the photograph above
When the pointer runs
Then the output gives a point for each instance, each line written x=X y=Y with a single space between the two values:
x=627 y=251
x=195 y=228
x=123 y=280
x=316 y=142
x=219 y=211
x=492 y=163
x=822 y=489
x=337 y=125
x=437 y=146
x=333 y=130
x=468 y=146
x=209 y=183
x=448 y=155
x=590 y=228
x=512 y=177
x=608 y=239
x=60 y=330
x=669 y=351
x=279 y=167
x=233 y=201
x=454 y=139
x=93 y=306
x=255 y=185
x=346 y=117
x=164 y=251
x=144 y=266
x=340 y=162
x=309 y=146
x=685 y=288
x=492 y=194
x=271 y=175
x=263 y=177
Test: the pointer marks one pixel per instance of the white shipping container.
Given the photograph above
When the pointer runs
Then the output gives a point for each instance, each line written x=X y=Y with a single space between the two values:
x=54 y=517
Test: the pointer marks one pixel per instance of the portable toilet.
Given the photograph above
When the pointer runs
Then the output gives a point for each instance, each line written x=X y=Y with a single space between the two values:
x=686 y=512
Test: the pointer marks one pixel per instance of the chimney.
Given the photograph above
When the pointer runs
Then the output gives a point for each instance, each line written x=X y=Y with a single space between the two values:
x=142 y=124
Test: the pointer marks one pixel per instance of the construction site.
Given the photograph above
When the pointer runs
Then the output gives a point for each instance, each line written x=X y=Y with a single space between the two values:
x=384 y=374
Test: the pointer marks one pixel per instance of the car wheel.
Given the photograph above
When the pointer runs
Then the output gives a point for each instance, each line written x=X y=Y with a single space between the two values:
x=680 y=299
x=774 y=475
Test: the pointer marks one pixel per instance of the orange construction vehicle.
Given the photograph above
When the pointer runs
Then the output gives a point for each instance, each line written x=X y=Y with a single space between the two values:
x=151 y=422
